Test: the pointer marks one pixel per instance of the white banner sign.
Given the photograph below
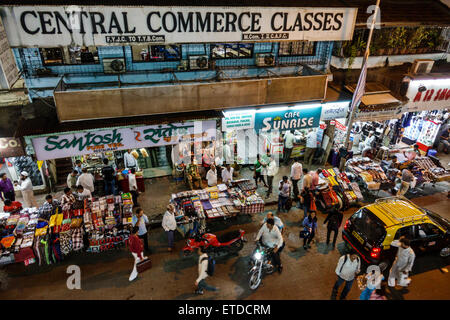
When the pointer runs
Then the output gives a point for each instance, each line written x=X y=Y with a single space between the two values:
x=334 y=110
x=52 y=26
x=67 y=145
x=8 y=68
x=428 y=95
x=238 y=120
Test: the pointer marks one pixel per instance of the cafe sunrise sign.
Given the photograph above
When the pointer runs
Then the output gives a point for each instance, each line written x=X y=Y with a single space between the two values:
x=66 y=145
x=52 y=26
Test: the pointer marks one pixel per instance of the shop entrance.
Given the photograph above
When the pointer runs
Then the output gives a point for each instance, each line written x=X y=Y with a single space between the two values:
x=155 y=162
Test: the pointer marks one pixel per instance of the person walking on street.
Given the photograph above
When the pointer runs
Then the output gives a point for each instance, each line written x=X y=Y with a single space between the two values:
x=271 y=172
x=347 y=268
x=136 y=248
x=26 y=187
x=141 y=220
x=211 y=176
x=288 y=145
x=169 y=224
x=271 y=237
x=6 y=188
x=311 y=146
x=407 y=178
x=200 y=282
x=403 y=261
x=86 y=180
x=296 y=175
x=133 y=187
x=109 y=178
x=284 y=186
x=310 y=225
x=334 y=220
x=72 y=180
x=258 y=172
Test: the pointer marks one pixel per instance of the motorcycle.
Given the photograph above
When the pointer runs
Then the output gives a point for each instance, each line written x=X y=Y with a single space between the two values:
x=230 y=242
x=260 y=263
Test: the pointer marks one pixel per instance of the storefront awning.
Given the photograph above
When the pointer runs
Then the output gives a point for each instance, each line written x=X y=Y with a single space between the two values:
x=379 y=98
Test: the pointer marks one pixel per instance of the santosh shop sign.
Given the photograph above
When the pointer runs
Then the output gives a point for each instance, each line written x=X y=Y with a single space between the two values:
x=51 y=26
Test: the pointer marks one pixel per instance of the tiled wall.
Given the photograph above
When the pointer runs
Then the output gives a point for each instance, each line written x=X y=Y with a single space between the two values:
x=148 y=72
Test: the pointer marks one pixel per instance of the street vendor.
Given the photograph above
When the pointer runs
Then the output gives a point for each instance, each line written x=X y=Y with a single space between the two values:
x=411 y=155
x=407 y=178
x=366 y=145
x=48 y=208
x=193 y=175
x=444 y=140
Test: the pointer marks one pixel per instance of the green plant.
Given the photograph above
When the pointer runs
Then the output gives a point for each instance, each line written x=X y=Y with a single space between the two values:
x=399 y=37
x=434 y=39
x=416 y=37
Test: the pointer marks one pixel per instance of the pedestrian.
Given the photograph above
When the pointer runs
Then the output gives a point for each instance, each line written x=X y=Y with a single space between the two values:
x=12 y=206
x=379 y=294
x=315 y=178
x=307 y=180
x=278 y=223
x=308 y=202
x=83 y=193
x=109 y=178
x=169 y=224
x=86 y=180
x=407 y=178
x=72 y=180
x=288 y=145
x=311 y=146
x=258 y=172
x=271 y=237
x=26 y=187
x=193 y=175
x=67 y=199
x=6 y=188
x=227 y=174
x=141 y=220
x=272 y=170
x=129 y=160
x=296 y=175
x=284 y=186
x=200 y=282
x=403 y=262
x=333 y=221
x=211 y=176
x=132 y=183
x=347 y=268
x=373 y=280
x=78 y=167
x=310 y=225
x=136 y=248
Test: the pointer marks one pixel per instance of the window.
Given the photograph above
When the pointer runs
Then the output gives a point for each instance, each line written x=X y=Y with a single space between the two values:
x=83 y=55
x=428 y=230
x=297 y=48
x=156 y=53
x=51 y=56
x=369 y=226
x=231 y=50
x=405 y=231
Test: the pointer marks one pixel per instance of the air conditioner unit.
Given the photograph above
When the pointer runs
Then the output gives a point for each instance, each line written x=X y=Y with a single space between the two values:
x=114 y=65
x=422 y=66
x=265 y=59
x=198 y=62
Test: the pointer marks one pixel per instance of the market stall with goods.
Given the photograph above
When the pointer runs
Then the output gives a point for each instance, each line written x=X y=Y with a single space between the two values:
x=371 y=176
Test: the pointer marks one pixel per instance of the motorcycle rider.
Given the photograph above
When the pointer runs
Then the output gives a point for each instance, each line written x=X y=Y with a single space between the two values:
x=271 y=237
x=278 y=223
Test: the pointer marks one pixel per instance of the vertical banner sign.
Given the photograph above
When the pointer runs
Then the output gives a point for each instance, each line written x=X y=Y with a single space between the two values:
x=9 y=72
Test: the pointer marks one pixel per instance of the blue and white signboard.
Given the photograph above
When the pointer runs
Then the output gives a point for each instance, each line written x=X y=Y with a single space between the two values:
x=281 y=119
x=334 y=110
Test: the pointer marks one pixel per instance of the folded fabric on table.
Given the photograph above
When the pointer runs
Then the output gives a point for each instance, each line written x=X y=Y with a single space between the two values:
x=206 y=205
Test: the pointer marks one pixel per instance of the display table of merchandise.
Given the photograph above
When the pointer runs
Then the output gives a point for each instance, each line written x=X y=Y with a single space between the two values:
x=341 y=185
x=370 y=172
x=124 y=185
x=429 y=171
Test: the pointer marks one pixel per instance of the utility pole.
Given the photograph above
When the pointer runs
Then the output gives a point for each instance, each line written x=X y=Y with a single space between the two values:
x=361 y=82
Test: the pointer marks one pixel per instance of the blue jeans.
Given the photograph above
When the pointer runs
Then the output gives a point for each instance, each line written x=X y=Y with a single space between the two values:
x=345 y=291
x=306 y=209
x=203 y=285
x=110 y=187
x=170 y=234
x=282 y=202
x=365 y=295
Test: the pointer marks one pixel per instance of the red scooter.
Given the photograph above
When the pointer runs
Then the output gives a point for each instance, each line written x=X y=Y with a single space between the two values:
x=230 y=242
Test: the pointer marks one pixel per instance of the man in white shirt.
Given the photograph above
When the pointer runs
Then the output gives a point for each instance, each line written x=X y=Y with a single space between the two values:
x=211 y=176
x=200 y=283
x=366 y=145
x=83 y=193
x=311 y=146
x=129 y=160
x=271 y=237
x=227 y=174
x=72 y=180
x=132 y=183
x=26 y=187
x=272 y=170
x=86 y=180
x=296 y=175
x=347 y=268
x=169 y=224
x=403 y=261
x=228 y=153
x=288 y=145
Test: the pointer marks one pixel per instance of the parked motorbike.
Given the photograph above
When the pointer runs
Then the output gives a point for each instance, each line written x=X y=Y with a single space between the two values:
x=260 y=263
x=230 y=242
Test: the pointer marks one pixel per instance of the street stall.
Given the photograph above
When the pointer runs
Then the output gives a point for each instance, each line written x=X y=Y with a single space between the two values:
x=371 y=175
x=429 y=170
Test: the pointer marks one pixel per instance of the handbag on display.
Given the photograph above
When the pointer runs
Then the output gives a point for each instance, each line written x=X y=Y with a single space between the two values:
x=143 y=265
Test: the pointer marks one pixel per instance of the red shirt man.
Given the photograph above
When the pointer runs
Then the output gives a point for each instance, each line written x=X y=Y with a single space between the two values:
x=12 y=206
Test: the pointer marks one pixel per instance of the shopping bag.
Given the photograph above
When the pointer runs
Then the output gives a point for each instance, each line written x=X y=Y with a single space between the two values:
x=288 y=204
x=143 y=265
x=404 y=280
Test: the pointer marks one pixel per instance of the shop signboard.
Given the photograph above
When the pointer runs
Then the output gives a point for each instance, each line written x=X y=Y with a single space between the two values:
x=8 y=68
x=66 y=145
x=238 y=120
x=54 y=26
x=283 y=119
x=334 y=110
x=11 y=147
x=340 y=126
x=428 y=94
